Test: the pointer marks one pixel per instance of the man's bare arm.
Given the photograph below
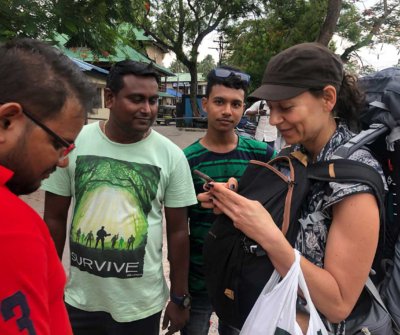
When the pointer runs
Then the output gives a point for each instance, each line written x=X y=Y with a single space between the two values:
x=55 y=215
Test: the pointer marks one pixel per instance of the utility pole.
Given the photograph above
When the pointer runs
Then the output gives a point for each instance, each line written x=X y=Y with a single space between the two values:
x=220 y=48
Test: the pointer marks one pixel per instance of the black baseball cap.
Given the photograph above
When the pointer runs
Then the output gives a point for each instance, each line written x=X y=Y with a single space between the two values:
x=298 y=69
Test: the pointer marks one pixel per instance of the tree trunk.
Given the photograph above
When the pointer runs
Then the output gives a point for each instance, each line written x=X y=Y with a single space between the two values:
x=331 y=19
x=193 y=89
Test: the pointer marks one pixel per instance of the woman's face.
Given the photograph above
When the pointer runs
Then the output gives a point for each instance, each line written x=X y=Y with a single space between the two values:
x=304 y=119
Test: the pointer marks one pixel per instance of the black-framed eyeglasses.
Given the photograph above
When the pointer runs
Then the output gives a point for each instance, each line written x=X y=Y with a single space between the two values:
x=225 y=73
x=62 y=142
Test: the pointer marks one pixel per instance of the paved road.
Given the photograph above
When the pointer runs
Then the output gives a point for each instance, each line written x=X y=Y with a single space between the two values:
x=182 y=138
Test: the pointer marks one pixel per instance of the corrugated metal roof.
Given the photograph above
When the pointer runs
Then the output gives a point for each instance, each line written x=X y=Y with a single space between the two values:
x=84 y=66
x=122 y=52
x=184 y=77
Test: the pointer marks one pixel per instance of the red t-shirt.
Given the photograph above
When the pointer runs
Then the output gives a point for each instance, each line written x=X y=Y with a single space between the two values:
x=32 y=278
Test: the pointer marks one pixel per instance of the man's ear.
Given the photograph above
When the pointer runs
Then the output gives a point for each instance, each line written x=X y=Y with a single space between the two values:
x=11 y=116
x=329 y=97
x=108 y=97
x=204 y=102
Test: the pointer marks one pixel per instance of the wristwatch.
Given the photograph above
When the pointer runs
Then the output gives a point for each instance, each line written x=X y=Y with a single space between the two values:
x=182 y=301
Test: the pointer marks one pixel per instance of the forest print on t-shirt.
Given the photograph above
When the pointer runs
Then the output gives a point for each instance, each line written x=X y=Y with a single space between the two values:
x=109 y=228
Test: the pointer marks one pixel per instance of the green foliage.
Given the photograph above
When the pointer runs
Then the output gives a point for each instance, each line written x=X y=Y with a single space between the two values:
x=255 y=29
x=347 y=26
x=21 y=18
x=206 y=65
x=284 y=23
x=93 y=23
x=90 y=23
x=250 y=44
x=178 y=67
x=384 y=16
x=181 y=25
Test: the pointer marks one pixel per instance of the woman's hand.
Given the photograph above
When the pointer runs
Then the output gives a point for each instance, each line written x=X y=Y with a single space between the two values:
x=205 y=198
x=249 y=216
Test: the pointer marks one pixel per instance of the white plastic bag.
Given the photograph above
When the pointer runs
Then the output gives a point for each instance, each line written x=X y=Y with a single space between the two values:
x=274 y=312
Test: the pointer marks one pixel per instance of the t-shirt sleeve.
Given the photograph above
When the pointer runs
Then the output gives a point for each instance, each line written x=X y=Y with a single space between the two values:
x=180 y=190
x=58 y=183
x=263 y=152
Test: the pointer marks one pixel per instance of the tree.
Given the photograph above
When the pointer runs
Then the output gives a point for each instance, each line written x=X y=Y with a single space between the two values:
x=178 y=67
x=90 y=23
x=181 y=25
x=206 y=65
x=95 y=23
x=331 y=19
x=19 y=18
x=284 y=24
x=378 y=24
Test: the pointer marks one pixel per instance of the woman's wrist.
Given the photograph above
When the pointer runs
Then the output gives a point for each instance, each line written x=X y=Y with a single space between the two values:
x=272 y=239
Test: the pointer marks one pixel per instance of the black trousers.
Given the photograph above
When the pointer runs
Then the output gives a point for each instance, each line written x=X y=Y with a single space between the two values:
x=101 y=323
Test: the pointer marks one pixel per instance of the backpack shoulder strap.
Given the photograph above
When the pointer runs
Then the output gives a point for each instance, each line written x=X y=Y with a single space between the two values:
x=363 y=138
x=346 y=170
x=285 y=151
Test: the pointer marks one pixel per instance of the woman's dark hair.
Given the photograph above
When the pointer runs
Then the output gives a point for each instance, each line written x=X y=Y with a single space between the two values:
x=115 y=78
x=231 y=81
x=350 y=100
x=41 y=78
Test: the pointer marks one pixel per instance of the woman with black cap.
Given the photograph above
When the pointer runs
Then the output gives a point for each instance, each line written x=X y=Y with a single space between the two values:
x=313 y=103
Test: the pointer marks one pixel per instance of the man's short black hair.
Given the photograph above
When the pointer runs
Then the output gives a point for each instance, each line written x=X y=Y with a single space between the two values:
x=231 y=81
x=41 y=78
x=119 y=70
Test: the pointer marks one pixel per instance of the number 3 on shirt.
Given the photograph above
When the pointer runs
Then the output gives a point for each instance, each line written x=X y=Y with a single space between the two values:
x=7 y=311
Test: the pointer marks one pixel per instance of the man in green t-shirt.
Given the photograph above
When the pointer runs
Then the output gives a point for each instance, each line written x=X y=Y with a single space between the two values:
x=121 y=177
x=221 y=154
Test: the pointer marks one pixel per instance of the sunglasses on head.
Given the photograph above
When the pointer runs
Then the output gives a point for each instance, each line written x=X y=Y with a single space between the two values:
x=62 y=142
x=225 y=73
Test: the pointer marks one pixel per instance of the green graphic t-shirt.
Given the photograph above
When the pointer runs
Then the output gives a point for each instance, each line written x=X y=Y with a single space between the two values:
x=118 y=193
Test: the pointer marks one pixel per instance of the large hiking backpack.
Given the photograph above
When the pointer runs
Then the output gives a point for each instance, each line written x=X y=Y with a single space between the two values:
x=382 y=94
x=237 y=268
x=382 y=91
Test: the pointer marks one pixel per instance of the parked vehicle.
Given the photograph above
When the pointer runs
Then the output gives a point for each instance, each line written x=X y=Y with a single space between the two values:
x=166 y=114
x=185 y=114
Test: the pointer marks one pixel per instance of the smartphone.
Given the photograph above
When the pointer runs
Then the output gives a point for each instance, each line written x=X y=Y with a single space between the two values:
x=203 y=176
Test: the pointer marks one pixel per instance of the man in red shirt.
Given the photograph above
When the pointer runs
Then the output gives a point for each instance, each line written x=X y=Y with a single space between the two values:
x=44 y=98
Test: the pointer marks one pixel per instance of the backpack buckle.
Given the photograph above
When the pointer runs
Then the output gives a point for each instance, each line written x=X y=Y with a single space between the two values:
x=253 y=249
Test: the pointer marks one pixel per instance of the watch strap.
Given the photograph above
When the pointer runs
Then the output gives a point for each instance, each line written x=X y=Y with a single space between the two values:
x=182 y=301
